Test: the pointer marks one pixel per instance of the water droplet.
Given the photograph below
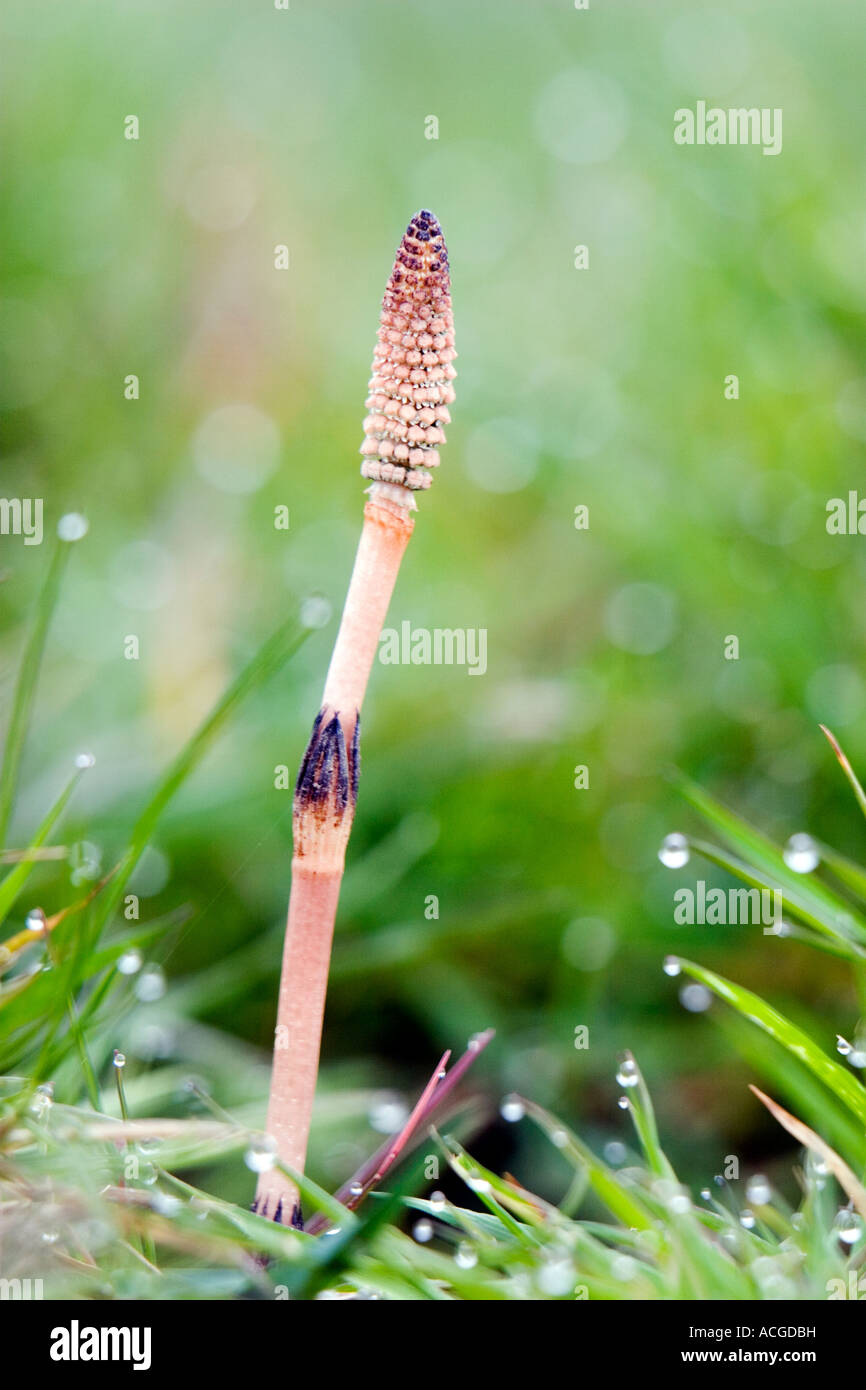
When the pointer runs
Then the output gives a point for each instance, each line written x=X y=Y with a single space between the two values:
x=474 y=1042
x=261 y=1154
x=50 y=1237
x=437 y=1201
x=512 y=1109
x=623 y=1102
x=72 y=527
x=801 y=854
x=478 y=1184
x=315 y=611
x=166 y=1205
x=695 y=998
x=614 y=1153
x=85 y=861
x=623 y=1268
x=388 y=1113
x=150 y=985
x=356 y=1189
x=627 y=1072
x=43 y=1099
x=35 y=920
x=671 y=965
x=465 y=1258
x=556 y=1277
x=147 y=1174
x=747 y=1218
x=422 y=1231
x=706 y=1194
x=674 y=852
x=857 y=1058
x=130 y=962
x=848 y=1226
x=758 y=1191
x=559 y=1138
x=119 y=1059
x=84 y=760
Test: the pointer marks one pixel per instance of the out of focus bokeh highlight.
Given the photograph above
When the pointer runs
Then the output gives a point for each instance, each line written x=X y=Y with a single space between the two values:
x=483 y=887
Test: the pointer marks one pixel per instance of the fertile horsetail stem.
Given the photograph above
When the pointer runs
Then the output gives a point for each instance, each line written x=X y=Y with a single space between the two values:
x=410 y=390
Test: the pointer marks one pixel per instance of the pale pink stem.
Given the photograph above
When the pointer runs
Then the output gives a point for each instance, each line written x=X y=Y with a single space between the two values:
x=301 y=1008
x=384 y=538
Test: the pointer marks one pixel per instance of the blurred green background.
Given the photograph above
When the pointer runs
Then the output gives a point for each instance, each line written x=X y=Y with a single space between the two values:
x=601 y=387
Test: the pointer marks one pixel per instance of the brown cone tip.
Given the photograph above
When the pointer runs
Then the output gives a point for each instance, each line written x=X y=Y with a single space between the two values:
x=410 y=389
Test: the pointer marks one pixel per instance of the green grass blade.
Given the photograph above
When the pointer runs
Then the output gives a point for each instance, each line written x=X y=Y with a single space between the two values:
x=15 y=880
x=25 y=687
x=270 y=657
x=853 y=779
x=804 y=890
x=607 y=1185
x=841 y=1082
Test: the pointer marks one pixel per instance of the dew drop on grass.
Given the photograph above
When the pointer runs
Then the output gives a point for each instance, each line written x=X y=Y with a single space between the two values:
x=559 y=1138
x=84 y=760
x=857 y=1057
x=72 y=526
x=623 y=1102
x=671 y=965
x=512 y=1109
x=758 y=1191
x=35 y=920
x=848 y=1226
x=387 y=1114
x=42 y=1101
x=623 y=1268
x=150 y=985
x=557 y=1277
x=119 y=1059
x=166 y=1205
x=747 y=1218
x=315 y=611
x=706 y=1194
x=614 y=1153
x=695 y=998
x=801 y=854
x=674 y=851
x=356 y=1189
x=627 y=1072
x=422 y=1231
x=437 y=1201
x=130 y=962
x=465 y=1258
x=261 y=1154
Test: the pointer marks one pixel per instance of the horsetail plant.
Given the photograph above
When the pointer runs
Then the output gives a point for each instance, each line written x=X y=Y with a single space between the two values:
x=410 y=390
